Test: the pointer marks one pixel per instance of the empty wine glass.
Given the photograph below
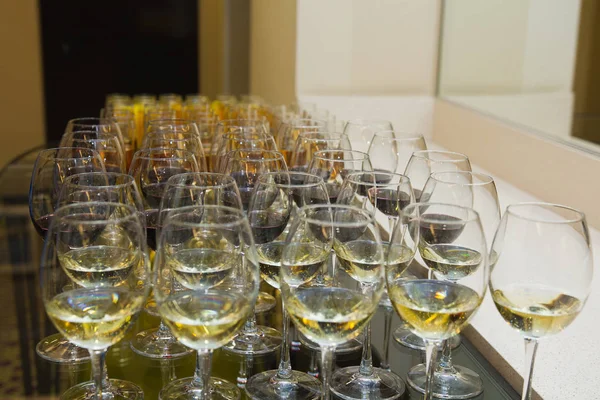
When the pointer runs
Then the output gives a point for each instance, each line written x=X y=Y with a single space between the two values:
x=336 y=308
x=442 y=305
x=390 y=150
x=542 y=272
x=206 y=283
x=308 y=143
x=106 y=126
x=95 y=276
x=107 y=146
x=361 y=132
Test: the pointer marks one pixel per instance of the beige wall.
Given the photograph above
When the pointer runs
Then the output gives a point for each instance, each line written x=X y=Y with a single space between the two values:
x=211 y=51
x=273 y=50
x=21 y=96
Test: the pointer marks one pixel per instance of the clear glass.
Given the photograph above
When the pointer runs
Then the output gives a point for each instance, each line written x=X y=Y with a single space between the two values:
x=273 y=207
x=107 y=146
x=542 y=272
x=383 y=194
x=434 y=307
x=288 y=132
x=338 y=306
x=238 y=127
x=308 y=143
x=241 y=141
x=361 y=132
x=95 y=276
x=205 y=284
x=106 y=126
x=390 y=150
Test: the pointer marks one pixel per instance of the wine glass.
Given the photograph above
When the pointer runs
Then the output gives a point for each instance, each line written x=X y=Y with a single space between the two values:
x=237 y=141
x=95 y=276
x=361 y=189
x=288 y=133
x=542 y=272
x=206 y=283
x=125 y=119
x=106 y=126
x=273 y=206
x=361 y=132
x=308 y=143
x=390 y=150
x=437 y=308
x=335 y=309
x=246 y=167
x=107 y=146
x=476 y=191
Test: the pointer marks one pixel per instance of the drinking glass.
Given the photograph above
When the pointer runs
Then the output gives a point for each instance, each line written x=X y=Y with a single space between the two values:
x=390 y=150
x=237 y=141
x=361 y=132
x=542 y=272
x=246 y=167
x=273 y=206
x=336 y=308
x=442 y=305
x=107 y=146
x=288 y=133
x=95 y=276
x=206 y=283
x=476 y=191
x=106 y=126
x=360 y=189
x=308 y=143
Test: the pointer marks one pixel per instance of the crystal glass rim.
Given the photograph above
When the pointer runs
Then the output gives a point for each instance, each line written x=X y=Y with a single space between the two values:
x=323 y=153
x=578 y=216
x=354 y=177
x=424 y=154
x=275 y=155
x=129 y=179
x=62 y=212
x=318 y=179
x=176 y=121
x=471 y=214
x=405 y=136
x=55 y=150
x=176 y=213
x=340 y=224
x=484 y=179
x=81 y=121
x=140 y=154
x=230 y=181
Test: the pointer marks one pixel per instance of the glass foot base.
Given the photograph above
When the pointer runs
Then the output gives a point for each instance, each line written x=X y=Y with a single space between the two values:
x=408 y=339
x=464 y=384
x=348 y=384
x=149 y=344
x=265 y=302
x=347 y=347
x=266 y=386
x=265 y=340
x=57 y=349
x=182 y=389
x=119 y=390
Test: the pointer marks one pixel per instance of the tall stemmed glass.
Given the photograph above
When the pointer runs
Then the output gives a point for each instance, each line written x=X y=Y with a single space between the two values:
x=107 y=146
x=390 y=150
x=542 y=272
x=437 y=308
x=361 y=132
x=273 y=207
x=95 y=276
x=241 y=141
x=288 y=133
x=338 y=307
x=206 y=283
x=476 y=191
x=106 y=126
x=308 y=143
x=360 y=189
x=246 y=167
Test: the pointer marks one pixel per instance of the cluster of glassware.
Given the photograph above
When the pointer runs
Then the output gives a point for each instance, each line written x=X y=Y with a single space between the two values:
x=227 y=192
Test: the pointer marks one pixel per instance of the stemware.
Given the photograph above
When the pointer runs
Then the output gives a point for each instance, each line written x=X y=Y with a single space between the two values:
x=106 y=126
x=542 y=272
x=336 y=308
x=308 y=143
x=246 y=167
x=360 y=189
x=288 y=132
x=238 y=141
x=390 y=151
x=273 y=207
x=361 y=131
x=206 y=283
x=126 y=121
x=436 y=308
x=95 y=276
x=106 y=145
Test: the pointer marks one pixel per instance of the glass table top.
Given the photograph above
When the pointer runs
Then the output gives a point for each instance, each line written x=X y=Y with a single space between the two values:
x=24 y=375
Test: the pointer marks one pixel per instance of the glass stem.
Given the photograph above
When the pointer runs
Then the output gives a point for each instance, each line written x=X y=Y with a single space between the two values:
x=327 y=353
x=250 y=325
x=167 y=371
x=391 y=223
x=201 y=380
x=387 y=326
x=98 y=358
x=445 y=364
x=366 y=363
x=431 y=349
x=285 y=367
x=531 y=346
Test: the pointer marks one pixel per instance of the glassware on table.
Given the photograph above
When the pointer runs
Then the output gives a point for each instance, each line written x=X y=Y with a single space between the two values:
x=336 y=308
x=126 y=120
x=106 y=126
x=246 y=167
x=308 y=143
x=390 y=150
x=241 y=141
x=361 y=132
x=273 y=206
x=542 y=272
x=241 y=127
x=436 y=308
x=107 y=146
x=361 y=189
x=288 y=132
x=95 y=276
x=52 y=167
x=206 y=283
